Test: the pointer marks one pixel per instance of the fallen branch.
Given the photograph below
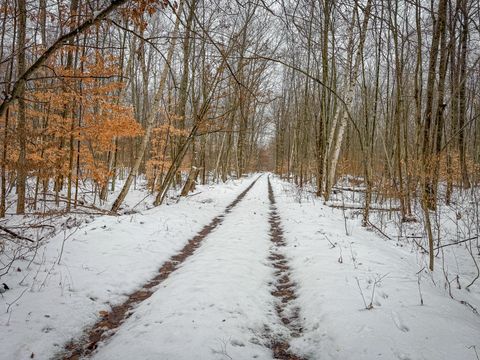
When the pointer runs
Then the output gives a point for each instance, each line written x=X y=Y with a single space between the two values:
x=457 y=242
x=15 y=235
x=420 y=246
x=190 y=195
x=351 y=189
x=380 y=231
x=90 y=207
x=354 y=207
x=33 y=226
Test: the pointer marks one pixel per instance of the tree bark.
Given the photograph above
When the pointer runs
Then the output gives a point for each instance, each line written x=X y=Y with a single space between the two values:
x=21 y=116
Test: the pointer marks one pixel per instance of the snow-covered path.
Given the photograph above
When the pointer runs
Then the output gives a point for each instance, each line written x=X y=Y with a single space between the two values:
x=54 y=297
x=217 y=304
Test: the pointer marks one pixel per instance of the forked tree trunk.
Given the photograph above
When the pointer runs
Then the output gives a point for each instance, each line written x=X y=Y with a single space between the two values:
x=150 y=121
x=336 y=145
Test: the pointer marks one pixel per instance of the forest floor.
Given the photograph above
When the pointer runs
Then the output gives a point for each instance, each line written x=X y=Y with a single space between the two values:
x=243 y=270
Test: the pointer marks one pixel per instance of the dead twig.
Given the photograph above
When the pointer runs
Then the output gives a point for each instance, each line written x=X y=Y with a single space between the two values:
x=331 y=243
x=475 y=350
x=18 y=298
x=65 y=238
x=367 y=307
x=470 y=251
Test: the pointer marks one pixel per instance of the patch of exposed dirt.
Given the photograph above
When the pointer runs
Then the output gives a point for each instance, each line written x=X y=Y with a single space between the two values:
x=283 y=288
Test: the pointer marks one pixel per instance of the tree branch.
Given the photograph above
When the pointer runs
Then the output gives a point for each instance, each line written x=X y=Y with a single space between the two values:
x=62 y=40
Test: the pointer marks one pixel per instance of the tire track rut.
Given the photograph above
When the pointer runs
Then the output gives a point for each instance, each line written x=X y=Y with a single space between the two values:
x=284 y=288
x=106 y=327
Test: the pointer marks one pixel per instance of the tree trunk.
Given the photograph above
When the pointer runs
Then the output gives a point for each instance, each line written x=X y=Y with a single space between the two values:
x=21 y=117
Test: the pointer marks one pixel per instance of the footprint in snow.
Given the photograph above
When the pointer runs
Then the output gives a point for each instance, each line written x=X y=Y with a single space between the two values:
x=47 y=329
x=235 y=342
x=399 y=323
x=383 y=295
x=402 y=356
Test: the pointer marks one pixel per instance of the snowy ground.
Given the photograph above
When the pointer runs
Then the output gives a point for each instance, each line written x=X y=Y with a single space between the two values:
x=337 y=323
x=359 y=295
x=216 y=305
x=51 y=301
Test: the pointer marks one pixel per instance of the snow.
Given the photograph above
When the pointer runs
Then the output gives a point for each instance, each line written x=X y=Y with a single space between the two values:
x=216 y=304
x=101 y=263
x=337 y=325
x=359 y=294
